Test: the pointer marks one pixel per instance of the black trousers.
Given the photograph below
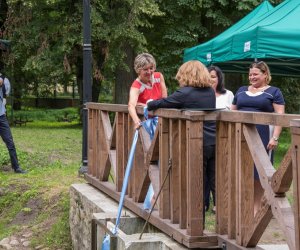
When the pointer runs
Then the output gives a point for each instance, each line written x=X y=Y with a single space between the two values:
x=6 y=136
x=209 y=173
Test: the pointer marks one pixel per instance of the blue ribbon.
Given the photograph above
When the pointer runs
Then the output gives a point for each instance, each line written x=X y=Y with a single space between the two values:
x=149 y=125
x=106 y=240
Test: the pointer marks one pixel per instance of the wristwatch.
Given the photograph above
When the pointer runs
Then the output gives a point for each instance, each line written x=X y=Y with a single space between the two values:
x=275 y=138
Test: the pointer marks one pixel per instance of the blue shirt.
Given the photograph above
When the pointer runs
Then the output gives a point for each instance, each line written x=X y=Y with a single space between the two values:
x=7 y=88
x=259 y=102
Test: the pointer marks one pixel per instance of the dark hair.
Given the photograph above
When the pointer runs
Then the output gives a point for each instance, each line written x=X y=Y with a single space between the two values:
x=220 y=86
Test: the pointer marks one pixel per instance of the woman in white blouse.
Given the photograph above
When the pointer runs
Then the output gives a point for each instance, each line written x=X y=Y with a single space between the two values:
x=224 y=96
x=224 y=99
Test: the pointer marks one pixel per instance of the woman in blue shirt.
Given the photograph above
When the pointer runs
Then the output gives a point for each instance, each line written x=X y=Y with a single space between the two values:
x=261 y=97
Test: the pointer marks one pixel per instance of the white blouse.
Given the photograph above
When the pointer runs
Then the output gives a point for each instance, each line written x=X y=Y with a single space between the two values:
x=224 y=100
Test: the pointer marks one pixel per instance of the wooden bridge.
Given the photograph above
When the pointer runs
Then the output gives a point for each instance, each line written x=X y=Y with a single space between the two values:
x=178 y=142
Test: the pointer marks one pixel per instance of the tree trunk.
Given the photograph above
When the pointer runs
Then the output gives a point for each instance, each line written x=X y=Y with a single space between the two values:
x=124 y=78
x=96 y=87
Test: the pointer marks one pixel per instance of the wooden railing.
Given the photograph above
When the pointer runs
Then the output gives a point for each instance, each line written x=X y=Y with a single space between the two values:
x=178 y=143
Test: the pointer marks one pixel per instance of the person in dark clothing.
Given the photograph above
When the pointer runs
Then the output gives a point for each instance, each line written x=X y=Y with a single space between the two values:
x=5 y=131
x=195 y=92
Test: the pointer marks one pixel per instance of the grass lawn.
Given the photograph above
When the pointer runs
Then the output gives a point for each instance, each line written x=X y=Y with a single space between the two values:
x=37 y=203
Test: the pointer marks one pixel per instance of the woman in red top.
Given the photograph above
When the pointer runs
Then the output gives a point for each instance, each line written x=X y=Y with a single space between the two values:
x=149 y=85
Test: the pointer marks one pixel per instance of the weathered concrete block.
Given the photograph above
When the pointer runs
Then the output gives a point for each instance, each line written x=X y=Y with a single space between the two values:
x=88 y=203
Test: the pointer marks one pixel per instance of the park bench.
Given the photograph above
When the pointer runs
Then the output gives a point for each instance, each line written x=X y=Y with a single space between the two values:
x=21 y=121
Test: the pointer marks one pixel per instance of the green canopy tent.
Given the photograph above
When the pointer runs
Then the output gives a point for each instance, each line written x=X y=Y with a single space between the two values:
x=219 y=45
x=275 y=39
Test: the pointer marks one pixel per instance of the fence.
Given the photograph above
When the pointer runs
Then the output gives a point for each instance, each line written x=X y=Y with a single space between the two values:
x=178 y=143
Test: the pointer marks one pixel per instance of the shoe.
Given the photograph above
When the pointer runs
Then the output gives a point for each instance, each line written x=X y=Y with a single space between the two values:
x=20 y=171
x=214 y=210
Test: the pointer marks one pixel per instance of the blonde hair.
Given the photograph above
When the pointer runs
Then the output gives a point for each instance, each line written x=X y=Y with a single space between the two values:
x=194 y=74
x=264 y=68
x=142 y=60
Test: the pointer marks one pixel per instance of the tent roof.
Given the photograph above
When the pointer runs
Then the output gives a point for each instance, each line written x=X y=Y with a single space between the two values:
x=206 y=52
x=274 y=38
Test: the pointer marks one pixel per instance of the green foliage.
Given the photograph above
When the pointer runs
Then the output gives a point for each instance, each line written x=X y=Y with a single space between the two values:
x=50 y=115
x=187 y=23
x=46 y=38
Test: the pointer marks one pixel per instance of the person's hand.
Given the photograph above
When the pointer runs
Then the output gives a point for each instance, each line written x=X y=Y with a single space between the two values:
x=137 y=124
x=272 y=144
x=1 y=81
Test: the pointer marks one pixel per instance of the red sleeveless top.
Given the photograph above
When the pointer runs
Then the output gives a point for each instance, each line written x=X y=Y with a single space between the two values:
x=147 y=92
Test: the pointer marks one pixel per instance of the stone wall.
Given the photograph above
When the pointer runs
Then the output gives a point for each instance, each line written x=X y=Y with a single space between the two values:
x=88 y=203
x=85 y=200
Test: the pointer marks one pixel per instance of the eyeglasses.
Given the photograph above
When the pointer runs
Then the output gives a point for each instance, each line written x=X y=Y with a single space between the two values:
x=260 y=64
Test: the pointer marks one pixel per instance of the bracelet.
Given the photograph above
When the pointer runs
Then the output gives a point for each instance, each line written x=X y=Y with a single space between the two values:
x=275 y=138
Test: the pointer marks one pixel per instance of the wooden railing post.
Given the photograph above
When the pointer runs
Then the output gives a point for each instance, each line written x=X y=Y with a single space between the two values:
x=174 y=180
x=232 y=201
x=245 y=187
x=295 y=131
x=164 y=155
x=222 y=168
x=195 y=206
x=182 y=175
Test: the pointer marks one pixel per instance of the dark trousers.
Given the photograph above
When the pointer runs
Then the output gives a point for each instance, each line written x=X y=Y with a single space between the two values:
x=6 y=136
x=209 y=160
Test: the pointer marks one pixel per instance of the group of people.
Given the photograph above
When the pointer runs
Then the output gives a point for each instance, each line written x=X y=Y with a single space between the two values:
x=203 y=88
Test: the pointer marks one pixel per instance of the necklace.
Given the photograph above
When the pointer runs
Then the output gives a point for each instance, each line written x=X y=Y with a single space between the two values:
x=259 y=88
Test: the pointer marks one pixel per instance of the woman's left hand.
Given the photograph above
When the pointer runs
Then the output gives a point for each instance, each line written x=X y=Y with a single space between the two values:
x=272 y=144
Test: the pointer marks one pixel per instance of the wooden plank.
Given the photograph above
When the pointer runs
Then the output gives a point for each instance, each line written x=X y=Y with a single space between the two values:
x=226 y=243
x=143 y=186
x=238 y=149
x=280 y=206
x=131 y=131
x=107 y=127
x=103 y=146
x=246 y=191
x=295 y=131
x=282 y=179
x=230 y=116
x=138 y=169
x=174 y=184
x=153 y=151
x=98 y=141
x=119 y=171
x=172 y=230
x=164 y=155
x=145 y=139
x=258 y=226
x=91 y=142
x=183 y=175
x=195 y=208
x=257 y=117
x=259 y=154
x=232 y=215
x=125 y=141
x=222 y=169
x=187 y=114
x=112 y=138
x=108 y=107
